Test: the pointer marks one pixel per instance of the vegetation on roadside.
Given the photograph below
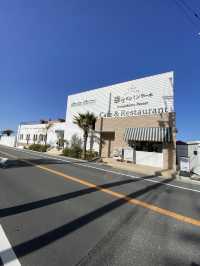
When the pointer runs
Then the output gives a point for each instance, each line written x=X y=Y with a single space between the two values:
x=38 y=147
x=7 y=132
x=90 y=155
x=74 y=149
x=87 y=123
x=73 y=152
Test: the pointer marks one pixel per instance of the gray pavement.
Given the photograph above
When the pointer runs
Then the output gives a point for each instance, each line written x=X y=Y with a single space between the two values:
x=50 y=220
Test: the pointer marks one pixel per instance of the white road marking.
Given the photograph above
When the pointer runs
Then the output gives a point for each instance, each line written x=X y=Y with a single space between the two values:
x=7 y=254
x=104 y=170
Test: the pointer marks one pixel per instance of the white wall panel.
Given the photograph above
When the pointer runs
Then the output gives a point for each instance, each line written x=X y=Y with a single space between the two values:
x=145 y=96
x=154 y=159
x=8 y=141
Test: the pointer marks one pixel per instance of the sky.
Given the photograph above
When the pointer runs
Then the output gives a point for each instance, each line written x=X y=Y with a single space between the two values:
x=52 y=48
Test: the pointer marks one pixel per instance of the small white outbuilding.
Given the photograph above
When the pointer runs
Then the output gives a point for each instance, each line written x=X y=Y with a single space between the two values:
x=190 y=150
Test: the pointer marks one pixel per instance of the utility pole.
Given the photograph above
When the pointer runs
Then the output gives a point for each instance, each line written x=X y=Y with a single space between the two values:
x=100 y=142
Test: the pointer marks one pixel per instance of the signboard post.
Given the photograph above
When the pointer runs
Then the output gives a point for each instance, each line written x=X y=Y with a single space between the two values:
x=185 y=166
x=129 y=154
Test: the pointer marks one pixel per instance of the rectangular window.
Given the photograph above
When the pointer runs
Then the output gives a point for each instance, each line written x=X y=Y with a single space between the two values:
x=148 y=146
x=35 y=137
x=195 y=152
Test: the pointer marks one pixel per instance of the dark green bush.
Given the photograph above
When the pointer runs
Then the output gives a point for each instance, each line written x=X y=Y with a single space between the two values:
x=91 y=155
x=74 y=152
x=38 y=147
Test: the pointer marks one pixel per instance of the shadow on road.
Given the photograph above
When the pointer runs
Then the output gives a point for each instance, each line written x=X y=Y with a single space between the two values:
x=22 y=162
x=53 y=200
x=190 y=237
x=66 y=229
x=172 y=260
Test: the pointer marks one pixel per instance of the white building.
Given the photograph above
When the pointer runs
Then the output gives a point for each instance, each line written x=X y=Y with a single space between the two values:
x=137 y=114
x=8 y=140
x=44 y=132
x=190 y=150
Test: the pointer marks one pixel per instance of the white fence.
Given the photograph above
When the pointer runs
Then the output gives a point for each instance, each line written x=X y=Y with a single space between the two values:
x=149 y=158
x=8 y=141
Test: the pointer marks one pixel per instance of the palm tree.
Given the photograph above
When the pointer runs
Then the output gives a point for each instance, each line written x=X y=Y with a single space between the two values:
x=86 y=122
x=7 y=132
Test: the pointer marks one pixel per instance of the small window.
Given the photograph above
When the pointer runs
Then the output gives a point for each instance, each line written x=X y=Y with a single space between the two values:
x=40 y=137
x=149 y=146
x=195 y=152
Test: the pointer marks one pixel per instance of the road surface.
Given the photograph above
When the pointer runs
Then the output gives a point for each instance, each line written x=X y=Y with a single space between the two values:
x=70 y=212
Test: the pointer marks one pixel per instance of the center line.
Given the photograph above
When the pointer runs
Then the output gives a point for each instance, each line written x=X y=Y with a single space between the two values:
x=143 y=204
x=104 y=170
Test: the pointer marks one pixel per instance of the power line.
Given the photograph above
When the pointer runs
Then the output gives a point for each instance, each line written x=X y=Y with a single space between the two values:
x=187 y=10
x=196 y=15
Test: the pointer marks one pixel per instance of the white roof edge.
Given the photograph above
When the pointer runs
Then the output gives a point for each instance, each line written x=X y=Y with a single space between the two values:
x=193 y=142
x=118 y=83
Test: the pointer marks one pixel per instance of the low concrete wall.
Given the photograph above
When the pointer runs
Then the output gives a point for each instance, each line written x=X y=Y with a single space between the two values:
x=153 y=159
x=8 y=141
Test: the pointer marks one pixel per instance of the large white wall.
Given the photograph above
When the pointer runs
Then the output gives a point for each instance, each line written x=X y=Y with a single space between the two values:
x=52 y=136
x=31 y=129
x=8 y=141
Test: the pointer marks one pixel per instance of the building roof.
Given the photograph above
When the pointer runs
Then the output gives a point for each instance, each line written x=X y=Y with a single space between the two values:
x=191 y=142
x=43 y=121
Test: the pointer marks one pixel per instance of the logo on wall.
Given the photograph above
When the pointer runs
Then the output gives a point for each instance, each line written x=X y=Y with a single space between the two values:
x=136 y=103
x=85 y=102
x=132 y=98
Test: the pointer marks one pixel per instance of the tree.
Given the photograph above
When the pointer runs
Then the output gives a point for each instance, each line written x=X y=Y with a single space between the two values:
x=86 y=122
x=76 y=141
x=7 y=132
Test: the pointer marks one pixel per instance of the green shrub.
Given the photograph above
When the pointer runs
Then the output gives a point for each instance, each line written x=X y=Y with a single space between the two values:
x=76 y=141
x=91 y=155
x=74 y=152
x=75 y=149
x=38 y=147
x=66 y=151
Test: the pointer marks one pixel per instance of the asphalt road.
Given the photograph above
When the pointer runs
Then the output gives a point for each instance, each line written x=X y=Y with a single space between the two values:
x=69 y=212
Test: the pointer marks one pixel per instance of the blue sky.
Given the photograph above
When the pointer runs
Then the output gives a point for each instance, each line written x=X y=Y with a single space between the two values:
x=52 y=48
